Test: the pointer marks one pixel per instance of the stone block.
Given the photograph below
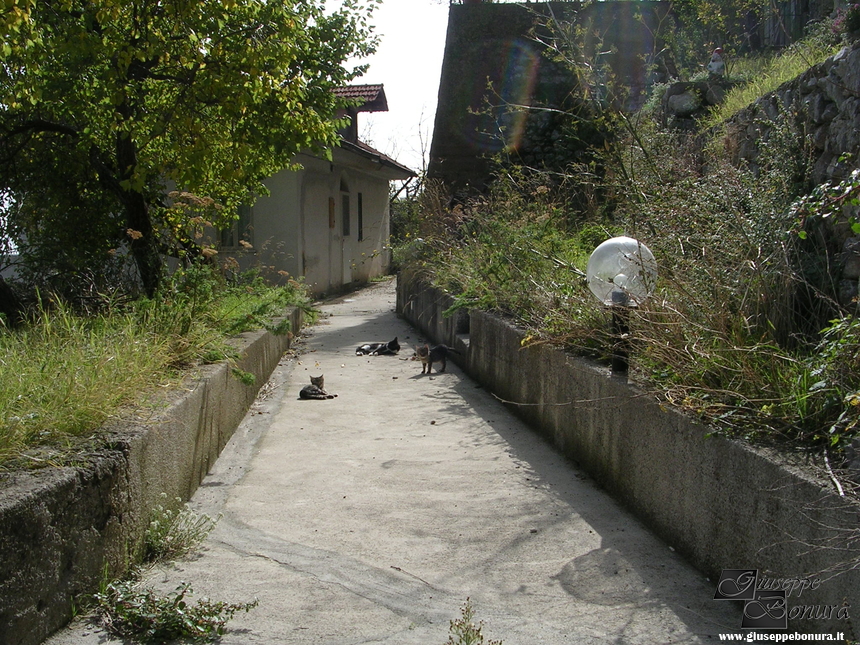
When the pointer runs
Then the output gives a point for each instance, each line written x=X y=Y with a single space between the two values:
x=851 y=259
x=685 y=104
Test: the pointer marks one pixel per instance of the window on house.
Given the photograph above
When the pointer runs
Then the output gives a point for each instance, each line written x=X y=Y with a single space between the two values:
x=360 y=218
x=239 y=229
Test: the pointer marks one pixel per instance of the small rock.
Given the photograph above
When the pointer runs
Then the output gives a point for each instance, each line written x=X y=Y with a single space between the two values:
x=684 y=104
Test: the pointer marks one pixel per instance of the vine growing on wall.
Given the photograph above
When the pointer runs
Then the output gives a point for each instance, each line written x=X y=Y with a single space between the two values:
x=829 y=201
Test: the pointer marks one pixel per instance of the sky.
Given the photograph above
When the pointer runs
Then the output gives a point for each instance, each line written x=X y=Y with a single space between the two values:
x=408 y=62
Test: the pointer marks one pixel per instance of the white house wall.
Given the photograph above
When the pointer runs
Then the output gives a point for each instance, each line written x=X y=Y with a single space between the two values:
x=276 y=228
x=292 y=230
x=371 y=257
x=320 y=243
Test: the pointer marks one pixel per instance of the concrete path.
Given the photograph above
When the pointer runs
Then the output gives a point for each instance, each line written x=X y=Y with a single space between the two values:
x=371 y=517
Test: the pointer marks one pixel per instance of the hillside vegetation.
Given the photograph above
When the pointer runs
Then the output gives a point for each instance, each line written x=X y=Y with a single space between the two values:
x=745 y=328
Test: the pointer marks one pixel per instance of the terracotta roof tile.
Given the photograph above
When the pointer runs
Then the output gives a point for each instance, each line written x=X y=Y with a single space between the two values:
x=371 y=97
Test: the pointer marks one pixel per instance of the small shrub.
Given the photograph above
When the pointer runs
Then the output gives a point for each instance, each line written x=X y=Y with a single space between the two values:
x=144 y=615
x=464 y=630
x=140 y=614
x=174 y=533
x=847 y=20
x=282 y=328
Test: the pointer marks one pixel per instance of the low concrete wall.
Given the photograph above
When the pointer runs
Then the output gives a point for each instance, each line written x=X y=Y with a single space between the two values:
x=720 y=503
x=62 y=529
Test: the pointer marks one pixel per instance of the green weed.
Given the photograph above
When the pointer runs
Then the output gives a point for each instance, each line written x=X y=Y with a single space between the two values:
x=130 y=611
x=146 y=616
x=245 y=378
x=464 y=630
x=173 y=533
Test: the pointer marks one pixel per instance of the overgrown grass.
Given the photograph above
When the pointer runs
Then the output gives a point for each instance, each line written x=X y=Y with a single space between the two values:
x=761 y=75
x=65 y=375
x=745 y=328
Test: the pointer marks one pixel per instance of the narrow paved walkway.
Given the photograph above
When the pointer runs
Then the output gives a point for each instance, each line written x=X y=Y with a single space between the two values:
x=371 y=517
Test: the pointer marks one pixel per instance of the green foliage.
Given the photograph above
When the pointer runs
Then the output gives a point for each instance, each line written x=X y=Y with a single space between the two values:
x=146 y=616
x=829 y=201
x=769 y=72
x=464 y=630
x=245 y=378
x=142 y=615
x=173 y=533
x=65 y=375
x=700 y=26
x=834 y=369
x=104 y=102
x=734 y=330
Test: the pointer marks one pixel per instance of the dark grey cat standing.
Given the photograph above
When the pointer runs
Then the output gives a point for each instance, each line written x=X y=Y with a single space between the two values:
x=316 y=390
x=436 y=354
x=378 y=349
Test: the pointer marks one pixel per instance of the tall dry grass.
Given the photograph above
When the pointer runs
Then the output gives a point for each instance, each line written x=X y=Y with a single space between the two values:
x=63 y=375
x=744 y=328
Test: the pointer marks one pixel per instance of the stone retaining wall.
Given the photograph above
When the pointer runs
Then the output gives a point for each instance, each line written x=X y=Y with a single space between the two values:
x=720 y=503
x=823 y=104
x=63 y=529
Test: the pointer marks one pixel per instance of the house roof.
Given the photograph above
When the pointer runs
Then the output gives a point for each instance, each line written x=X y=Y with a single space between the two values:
x=371 y=98
x=393 y=168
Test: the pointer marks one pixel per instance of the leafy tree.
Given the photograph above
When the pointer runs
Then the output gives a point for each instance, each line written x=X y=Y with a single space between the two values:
x=703 y=25
x=104 y=104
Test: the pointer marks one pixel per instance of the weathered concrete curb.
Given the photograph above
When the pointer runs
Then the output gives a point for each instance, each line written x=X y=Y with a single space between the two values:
x=721 y=503
x=62 y=529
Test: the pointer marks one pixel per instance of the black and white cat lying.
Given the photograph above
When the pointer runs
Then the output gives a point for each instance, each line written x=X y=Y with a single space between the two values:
x=378 y=349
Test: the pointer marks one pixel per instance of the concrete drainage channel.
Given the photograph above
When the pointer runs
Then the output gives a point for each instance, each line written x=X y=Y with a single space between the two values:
x=722 y=504
x=62 y=529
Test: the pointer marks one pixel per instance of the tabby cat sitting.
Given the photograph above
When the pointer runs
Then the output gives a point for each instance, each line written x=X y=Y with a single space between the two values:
x=316 y=390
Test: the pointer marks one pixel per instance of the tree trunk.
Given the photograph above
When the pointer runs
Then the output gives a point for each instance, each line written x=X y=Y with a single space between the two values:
x=10 y=304
x=144 y=246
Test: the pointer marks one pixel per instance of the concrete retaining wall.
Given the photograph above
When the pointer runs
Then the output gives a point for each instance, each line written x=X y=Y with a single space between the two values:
x=63 y=529
x=720 y=503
